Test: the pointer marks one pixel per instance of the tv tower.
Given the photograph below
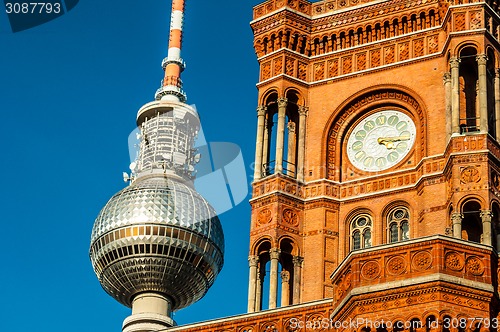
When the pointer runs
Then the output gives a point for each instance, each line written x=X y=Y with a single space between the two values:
x=158 y=245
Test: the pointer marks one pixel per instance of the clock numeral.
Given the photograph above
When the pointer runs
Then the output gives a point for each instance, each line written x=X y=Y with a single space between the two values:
x=393 y=156
x=357 y=146
x=380 y=162
x=402 y=126
x=405 y=134
x=360 y=135
x=393 y=120
x=381 y=120
x=369 y=125
x=402 y=146
x=368 y=162
x=360 y=155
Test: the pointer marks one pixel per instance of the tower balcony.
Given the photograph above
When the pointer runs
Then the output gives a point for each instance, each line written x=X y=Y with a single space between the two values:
x=432 y=272
x=269 y=168
x=180 y=62
x=171 y=85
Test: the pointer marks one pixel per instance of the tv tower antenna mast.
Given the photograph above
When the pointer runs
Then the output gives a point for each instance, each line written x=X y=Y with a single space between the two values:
x=173 y=64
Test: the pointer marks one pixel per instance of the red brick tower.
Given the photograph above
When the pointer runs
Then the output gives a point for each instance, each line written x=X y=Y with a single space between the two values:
x=376 y=193
x=377 y=156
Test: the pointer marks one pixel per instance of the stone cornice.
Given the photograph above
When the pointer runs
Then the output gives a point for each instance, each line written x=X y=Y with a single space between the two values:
x=370 y=13
x=261 y=315
x=453 y=264
x=344 y=18
x=292 y=19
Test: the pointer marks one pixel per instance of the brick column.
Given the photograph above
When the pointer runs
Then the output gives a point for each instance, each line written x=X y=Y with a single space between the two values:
x=455 y=96
x=301 y=146
x=253 y=262
x=456 y=219
x=447 y=94
x=261 y=114
x=274 y=253
x=297 y=276
x=285 y=288
x=486 y=216
x=280 y=135
x=483 y=95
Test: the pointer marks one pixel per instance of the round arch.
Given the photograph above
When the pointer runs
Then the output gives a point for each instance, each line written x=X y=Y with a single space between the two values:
x=492 y=56
x=396 y=221
x=480 y=200
x=293 y=95
x=261 y=245
x=390 y=206
x=472 y=227
x=495 y=223
x=370 y=98
x=270 y=95
x=468 y=43
x=288 y=245
x=359 y=228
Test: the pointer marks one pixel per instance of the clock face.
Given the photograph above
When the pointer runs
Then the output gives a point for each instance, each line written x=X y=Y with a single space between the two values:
x=381 y=140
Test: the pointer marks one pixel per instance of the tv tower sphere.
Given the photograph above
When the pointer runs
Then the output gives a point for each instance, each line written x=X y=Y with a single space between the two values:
x=158 y=245
x=158 y=234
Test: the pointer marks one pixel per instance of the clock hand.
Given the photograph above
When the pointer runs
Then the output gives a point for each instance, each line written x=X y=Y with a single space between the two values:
x=389 y=141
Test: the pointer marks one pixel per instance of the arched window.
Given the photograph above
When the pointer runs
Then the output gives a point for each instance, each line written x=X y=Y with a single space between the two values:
x=398 y=326
x=472 y=227
x=398 y=224
x=361 y=232
x=415 y=325
x=496 y=225
x=431 y=323
x=446 y=324
x=468 y=80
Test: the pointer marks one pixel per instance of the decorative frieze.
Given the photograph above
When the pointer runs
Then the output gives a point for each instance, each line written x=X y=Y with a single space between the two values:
x=265 y=216
x=357 y=62
x=394 y=262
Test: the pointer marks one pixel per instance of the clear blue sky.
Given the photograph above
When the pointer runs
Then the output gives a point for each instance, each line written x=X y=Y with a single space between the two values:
x=70 y=90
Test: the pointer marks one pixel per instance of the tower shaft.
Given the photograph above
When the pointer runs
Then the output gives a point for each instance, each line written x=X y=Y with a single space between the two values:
x=157 y=245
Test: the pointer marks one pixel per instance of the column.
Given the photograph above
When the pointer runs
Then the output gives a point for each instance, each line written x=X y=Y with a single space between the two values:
x=268 y=128
x=486 y=216
x=150 y=312
x=301 y=146
x=258 y=292
x=285 y=39
x=253 y=262
x=261 y=114
x=455 y=96
x=483 y=94
x=274 y=253
x=297 y=275
x=292 y=141
x=285 y=288
x=456 y=220
x=280 y=135
x=497 y=103
x=447 y=94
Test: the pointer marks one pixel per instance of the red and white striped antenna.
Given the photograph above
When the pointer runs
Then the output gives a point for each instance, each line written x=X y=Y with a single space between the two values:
x=173 y=64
